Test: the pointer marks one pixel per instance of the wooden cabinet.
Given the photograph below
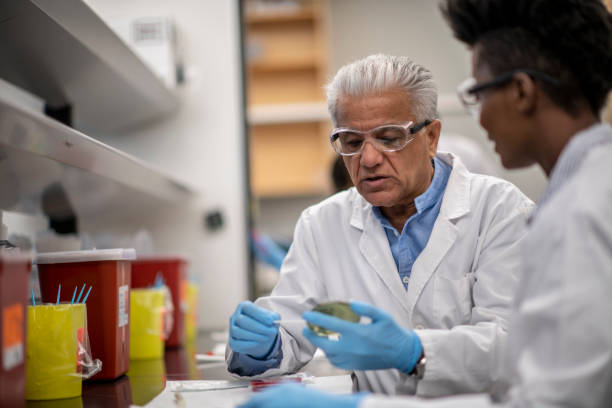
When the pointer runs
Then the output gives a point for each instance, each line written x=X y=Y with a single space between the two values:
x=286 y=55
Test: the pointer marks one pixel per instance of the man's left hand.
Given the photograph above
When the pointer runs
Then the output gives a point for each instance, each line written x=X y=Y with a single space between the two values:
x=381 y=344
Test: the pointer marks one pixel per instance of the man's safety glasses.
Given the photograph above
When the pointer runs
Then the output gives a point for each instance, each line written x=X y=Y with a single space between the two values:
x=469 y=91
x=386 y=138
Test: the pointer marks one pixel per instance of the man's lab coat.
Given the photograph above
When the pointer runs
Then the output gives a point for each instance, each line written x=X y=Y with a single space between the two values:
x=560 y=341
x=460 y=289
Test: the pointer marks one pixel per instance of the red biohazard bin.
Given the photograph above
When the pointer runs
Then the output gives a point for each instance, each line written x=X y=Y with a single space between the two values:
x=108 y=273
x=15 y=269
x=174 y=272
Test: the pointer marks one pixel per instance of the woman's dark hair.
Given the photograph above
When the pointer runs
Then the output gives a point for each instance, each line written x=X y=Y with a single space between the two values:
x=570 y=40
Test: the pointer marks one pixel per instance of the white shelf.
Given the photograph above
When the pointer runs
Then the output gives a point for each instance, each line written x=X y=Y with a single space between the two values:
x=287 y=113
x=61 y=51
x=36 y=151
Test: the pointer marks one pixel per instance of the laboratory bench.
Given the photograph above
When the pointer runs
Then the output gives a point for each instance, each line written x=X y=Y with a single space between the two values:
x=147 y=378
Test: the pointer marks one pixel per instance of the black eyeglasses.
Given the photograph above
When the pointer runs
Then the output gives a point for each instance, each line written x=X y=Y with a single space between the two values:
x=468 y=91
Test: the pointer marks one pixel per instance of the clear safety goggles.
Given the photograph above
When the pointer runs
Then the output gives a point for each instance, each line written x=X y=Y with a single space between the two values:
x=385 y=138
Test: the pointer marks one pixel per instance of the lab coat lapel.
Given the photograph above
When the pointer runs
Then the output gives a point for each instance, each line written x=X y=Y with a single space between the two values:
x=455 y=204
x=374 y=246
x=442 y=237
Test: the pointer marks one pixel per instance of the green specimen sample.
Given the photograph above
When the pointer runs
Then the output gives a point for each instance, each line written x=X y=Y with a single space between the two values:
x=341 y=310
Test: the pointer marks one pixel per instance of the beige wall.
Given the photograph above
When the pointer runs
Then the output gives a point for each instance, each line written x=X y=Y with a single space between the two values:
x=201 y=144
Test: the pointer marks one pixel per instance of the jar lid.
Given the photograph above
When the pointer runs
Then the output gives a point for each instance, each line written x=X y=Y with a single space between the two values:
x=92 y=255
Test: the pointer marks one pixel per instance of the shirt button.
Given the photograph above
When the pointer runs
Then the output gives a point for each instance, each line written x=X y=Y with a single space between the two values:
x=405 y=279
x=419 y=327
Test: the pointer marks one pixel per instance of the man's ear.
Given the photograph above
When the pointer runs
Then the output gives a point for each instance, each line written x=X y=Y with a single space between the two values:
x=433 y=135
x=523 y=93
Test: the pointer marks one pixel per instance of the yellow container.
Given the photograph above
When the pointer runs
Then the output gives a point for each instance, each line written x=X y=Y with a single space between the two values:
x=191 y=323
x=146 y=323
x=76 y=402
x=147 y=380
x=53 y=336
x=192 y=367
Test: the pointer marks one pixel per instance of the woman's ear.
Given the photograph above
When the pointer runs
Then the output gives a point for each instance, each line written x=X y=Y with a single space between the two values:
x=523 y=93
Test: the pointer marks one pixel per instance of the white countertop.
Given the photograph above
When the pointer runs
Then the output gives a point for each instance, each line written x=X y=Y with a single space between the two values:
x=236 y=392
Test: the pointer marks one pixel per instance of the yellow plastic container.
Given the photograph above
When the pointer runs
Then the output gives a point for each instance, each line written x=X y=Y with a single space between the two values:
x=191 y=322
x=146 y=323
x=147 y=379
x=53 y=336
x=76 y=402
x=192 y=367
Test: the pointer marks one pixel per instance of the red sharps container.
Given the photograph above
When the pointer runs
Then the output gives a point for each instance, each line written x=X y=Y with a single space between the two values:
x=108 y=273
x=173 y=270
x=15 y=269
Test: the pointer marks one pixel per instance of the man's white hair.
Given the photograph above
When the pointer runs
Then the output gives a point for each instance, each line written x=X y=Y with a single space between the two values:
x=379 y=73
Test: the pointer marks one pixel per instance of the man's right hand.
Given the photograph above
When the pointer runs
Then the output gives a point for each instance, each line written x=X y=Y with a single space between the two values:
x=252 y=330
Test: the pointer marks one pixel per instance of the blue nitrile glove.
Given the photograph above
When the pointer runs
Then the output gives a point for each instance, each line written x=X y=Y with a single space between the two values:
x=252 y=330
x=378 y=345
x=298 y=396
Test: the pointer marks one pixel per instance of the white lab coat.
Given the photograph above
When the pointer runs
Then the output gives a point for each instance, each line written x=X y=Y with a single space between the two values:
x=560 y=343
x=462 y=282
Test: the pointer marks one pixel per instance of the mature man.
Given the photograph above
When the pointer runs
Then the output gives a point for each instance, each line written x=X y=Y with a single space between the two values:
x=542 y=71
x=419 y=236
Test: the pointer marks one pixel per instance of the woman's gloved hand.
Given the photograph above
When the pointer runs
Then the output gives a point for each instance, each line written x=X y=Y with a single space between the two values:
x=381 y=344
x=267 y=250
x=252 y=330
x=298 y=396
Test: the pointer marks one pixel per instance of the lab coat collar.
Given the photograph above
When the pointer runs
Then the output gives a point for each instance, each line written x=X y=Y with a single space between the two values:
x=572 y=157
x=455 y=203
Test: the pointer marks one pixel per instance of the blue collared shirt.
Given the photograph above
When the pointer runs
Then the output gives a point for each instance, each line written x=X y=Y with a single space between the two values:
x=407 y=246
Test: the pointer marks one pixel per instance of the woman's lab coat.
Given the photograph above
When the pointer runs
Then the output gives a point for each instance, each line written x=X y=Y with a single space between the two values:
x=458 y=297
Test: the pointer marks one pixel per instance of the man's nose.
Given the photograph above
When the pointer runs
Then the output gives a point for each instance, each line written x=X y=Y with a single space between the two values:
x=370 y=155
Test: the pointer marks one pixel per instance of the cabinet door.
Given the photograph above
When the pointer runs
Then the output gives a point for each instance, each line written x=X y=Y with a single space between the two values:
x=286 y=55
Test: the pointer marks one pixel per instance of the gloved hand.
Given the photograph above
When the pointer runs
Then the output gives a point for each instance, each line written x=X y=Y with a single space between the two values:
x=378 y=345
x=252 y=330
x=267 y=251
x=298 y=396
